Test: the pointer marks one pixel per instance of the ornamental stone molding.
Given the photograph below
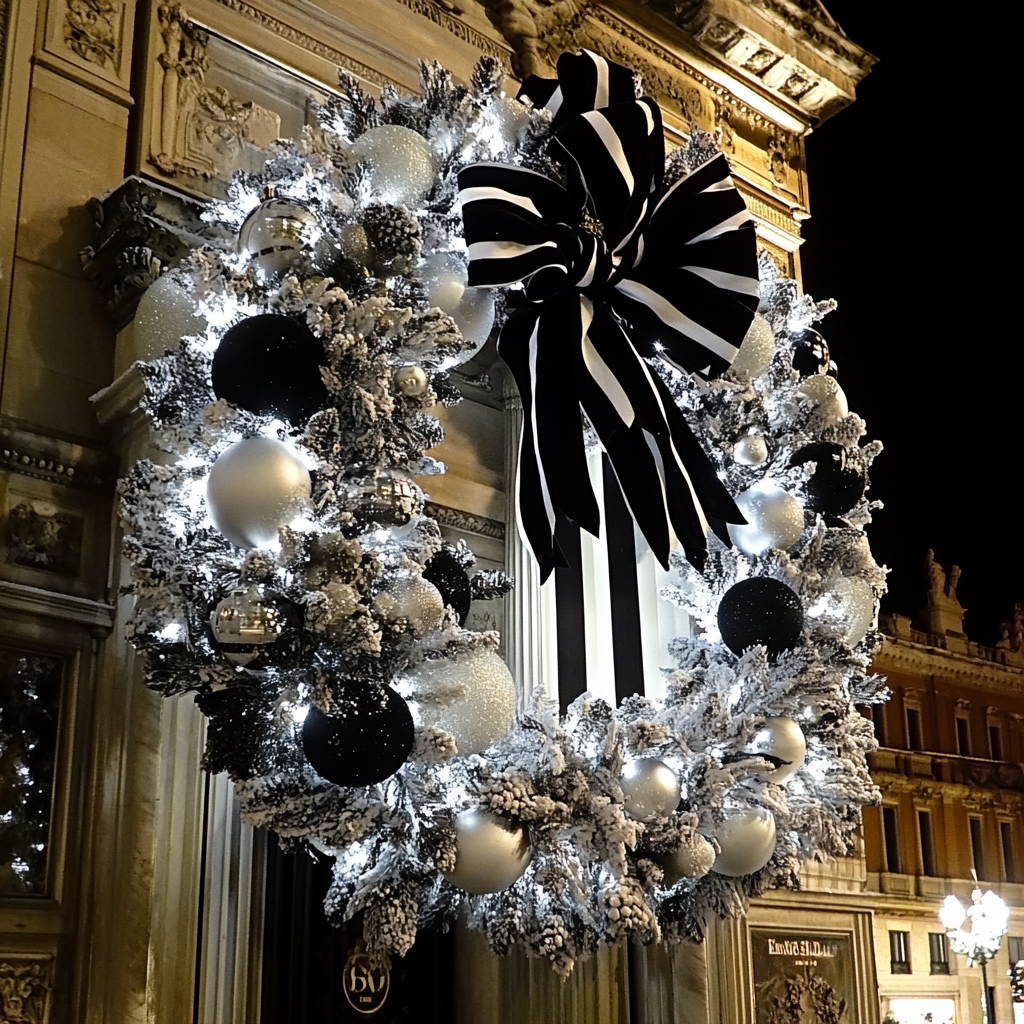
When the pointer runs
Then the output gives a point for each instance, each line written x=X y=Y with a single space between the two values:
x=25 y=985
x=907 y=656
x=54 y=460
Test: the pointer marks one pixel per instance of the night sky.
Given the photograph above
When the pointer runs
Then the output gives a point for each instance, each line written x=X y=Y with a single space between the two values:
x=906 y=231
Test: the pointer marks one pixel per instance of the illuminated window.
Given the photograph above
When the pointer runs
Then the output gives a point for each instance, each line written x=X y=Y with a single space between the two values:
x=899 y=952
x=938 y=948
x=963 y=736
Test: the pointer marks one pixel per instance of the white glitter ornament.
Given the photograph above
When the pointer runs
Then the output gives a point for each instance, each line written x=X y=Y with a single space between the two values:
x=471 y=696
x=650 y=789
x=491 y=854
x=774 y=520
x=411 y=380
x=399 y=161
x=851 y=608
x=512 y=118
x=166 y=313
x=747 y=841
x=693 y=859
x=827 y=395
x=355 y=245
x=780 y=737
x=750 y=450
x=472 y=309
x=275 y=232
x=257 y=486
x=756 y=350
x=414 y=599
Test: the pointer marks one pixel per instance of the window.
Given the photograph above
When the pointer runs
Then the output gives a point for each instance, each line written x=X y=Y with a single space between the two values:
x=1006 y=842
x=914 y=741
x=924 y=835
x=890 y=832
x=899 y=952
x=977 y=849
x=878 y=717
x=1015 y=947
x=995 y=742
x=963 y=736
x=938 y=947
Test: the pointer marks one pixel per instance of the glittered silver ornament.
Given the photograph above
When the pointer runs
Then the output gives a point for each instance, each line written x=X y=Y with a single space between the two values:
x=491 y=854
x=276 y=232
x=166 y=313
x=391 y=497
x=774 y=520
x=472 y=309
x=750 y=450
x=414 y=599
x=355 y=245
x=693 y=859
x=399 y=163
x=650 y=789
x=248 y=622
x=849 y=608
x=471 y=696
x=827 y=396
x=747 y=841
x=756 y=350
x=411 y=380
x=783 y=738
x=257 y=486
x=511 y=118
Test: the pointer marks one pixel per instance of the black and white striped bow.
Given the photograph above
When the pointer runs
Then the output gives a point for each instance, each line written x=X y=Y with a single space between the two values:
x=617 y=270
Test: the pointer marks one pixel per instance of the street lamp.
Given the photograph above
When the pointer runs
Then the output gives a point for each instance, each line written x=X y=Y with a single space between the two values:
x=990 y=919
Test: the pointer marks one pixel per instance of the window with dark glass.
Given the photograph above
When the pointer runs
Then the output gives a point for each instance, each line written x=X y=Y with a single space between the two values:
x=890 y=832
x=963 y=736
x=995 y=742
x=29 y=705
x=878 y=718
x=1015 y=948
x=899 y=952
x=924 y=831
x=1006 y=841
x=977 y=849
x=914 y=738
x=938 y=948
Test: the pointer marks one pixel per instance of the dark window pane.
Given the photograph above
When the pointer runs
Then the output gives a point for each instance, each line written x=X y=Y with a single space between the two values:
x=924 y=827
x=878 y=717
x=963 y=737
x=29 y=706
x=891 y=835
x=914 y=740
x=899 y=954
x=977 y=850
x=1006 y=838
x=938 y=948
x=1015 y=947
x=995 y=742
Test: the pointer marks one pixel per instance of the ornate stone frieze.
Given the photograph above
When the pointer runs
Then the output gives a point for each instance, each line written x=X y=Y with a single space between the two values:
x=55 y=460
x=93 y=31
x=24 y=989
x=444 y=14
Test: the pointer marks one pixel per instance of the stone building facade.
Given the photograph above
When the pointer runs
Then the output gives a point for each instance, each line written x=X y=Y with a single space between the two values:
x=129 y=890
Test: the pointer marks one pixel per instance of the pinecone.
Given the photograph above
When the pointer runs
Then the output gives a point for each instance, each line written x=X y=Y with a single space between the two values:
x=393 y=232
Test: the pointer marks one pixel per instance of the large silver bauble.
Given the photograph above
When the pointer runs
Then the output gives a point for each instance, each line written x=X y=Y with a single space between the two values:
x=828 y=397
x=747 y=841
x=650 y=789
x=248 y=622
x=399 y=162
x=693 y=859
x=390 y=498
x=851 y=607
x=774 y=520
x=276 y=232
x=166 y=313
x=756 y=350
x=471 y=696
x=511 y=117
x=472 y=309
x=780 y=737
x=490 y=854
x=414 y=599
x=257 y=486
x=750 y=450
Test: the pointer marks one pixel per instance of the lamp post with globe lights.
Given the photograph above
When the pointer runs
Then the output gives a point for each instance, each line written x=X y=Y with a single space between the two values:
x=990 y=919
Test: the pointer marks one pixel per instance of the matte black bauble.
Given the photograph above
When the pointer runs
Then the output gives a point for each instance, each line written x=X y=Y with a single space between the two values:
x=810 y=352
x=365 y=740
x=760 y=611
x=271 y=364
x=834 y=487
x=445 y=571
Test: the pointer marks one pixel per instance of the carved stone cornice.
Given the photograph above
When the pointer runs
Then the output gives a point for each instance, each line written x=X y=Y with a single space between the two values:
x=467 y=522
x=55 y=460
x=907 y=656
x=39 y=603
x=442 y=16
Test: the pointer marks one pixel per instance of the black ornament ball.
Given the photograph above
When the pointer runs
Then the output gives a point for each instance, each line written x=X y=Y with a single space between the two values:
x=835 y=486
x=445 y=571
x=760 y=611
x=368 y=737
x=271 y=364
x=810 y=352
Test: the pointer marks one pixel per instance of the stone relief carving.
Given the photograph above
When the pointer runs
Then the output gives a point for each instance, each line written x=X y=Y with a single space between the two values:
x=204 y=131
x=24 y=991
x=536 y=30
x=43 y=537
x=92 y=31
x=779 y=150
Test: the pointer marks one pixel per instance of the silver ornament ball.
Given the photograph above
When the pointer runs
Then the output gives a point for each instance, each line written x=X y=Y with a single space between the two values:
x=774 y=520
x=414 y=599
x=650 y=789
x=747 y=841
x=411 y=381
x=276 y=232
x=756 y=350
x=491 y=854
x=471 y=696
x=851 y=608
x=750 y=450
x=165 y=315
x=391 y=497
x=511 y=118
x=257 y=486
x=693 y=859
x=828 y=397
x=472 y=309
x=246 y=623
x=781 y=737
x=399 y=163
